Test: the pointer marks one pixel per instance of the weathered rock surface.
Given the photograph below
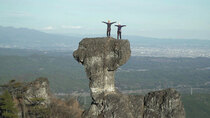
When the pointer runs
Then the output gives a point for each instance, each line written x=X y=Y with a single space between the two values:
x=163 y=104
x=38 y=89
x=27 y=95
x=116 y=105
x=101 y=57
x=34 y=100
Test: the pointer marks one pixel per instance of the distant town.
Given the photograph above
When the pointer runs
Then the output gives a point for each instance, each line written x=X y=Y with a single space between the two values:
x=170 y=52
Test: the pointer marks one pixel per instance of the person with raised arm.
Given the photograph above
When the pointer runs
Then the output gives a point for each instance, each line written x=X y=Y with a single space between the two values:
x=108 y=32
x=119 y=27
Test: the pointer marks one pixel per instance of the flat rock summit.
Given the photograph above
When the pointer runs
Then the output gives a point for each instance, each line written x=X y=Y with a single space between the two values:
x=101 y=57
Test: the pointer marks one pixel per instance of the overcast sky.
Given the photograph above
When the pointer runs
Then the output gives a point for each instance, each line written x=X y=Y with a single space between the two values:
x=151 y=18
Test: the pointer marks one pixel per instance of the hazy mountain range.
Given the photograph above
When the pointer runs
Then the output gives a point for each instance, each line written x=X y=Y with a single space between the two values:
x=32 y=39
x=23 y=38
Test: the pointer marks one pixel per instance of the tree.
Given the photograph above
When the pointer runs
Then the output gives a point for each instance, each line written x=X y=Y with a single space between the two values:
x=7 y=106
x=37 y=109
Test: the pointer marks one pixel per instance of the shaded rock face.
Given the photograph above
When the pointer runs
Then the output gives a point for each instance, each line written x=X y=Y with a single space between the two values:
x=163 y=104
x=116 y=105
x=101 y=57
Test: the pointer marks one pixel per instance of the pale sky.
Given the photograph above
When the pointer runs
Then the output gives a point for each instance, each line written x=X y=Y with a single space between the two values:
x=151 y=18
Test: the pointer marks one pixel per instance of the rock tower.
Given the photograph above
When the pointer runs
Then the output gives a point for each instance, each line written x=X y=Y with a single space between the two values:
x=101 y=57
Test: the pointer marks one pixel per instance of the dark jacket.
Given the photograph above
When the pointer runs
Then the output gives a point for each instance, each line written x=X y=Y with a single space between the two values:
x=119 y=27
x=108 y=25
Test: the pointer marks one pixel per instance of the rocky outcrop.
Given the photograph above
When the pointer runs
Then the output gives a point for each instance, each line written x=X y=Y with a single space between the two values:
x=30 y=97
x=34 y=100
x=163 y=104
x=101 y=57
x=38 y=89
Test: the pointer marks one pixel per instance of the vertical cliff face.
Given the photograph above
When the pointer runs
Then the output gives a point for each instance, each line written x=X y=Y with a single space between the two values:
x=101 y=57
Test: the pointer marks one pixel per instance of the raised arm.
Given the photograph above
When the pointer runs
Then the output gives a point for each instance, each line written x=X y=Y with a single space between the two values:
x=116 y=25
x=104 y=22
x=113 y=22
x=123 y=25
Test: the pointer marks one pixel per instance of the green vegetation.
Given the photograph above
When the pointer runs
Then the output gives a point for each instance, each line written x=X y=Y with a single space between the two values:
x=66 y=75
x=37 y=109
x=151 y=72
x=197 y=105
x=7 y=106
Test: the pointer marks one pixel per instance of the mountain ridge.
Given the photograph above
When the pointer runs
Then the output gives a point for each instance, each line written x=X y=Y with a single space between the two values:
x=24 y=38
